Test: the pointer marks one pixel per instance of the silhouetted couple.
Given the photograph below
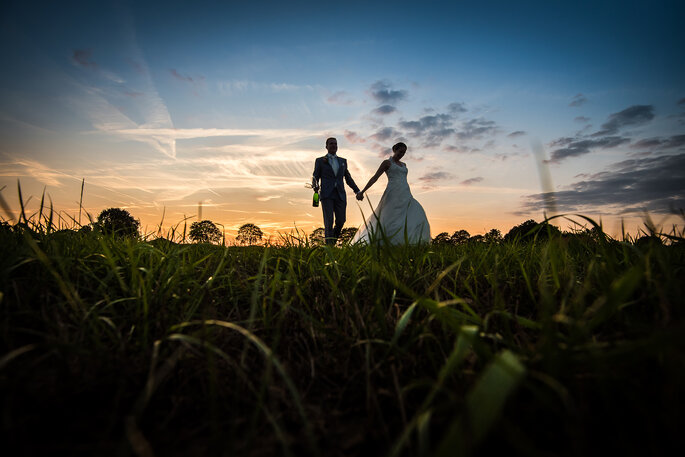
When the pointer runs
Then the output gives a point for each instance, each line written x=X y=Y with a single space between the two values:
x=398 y=218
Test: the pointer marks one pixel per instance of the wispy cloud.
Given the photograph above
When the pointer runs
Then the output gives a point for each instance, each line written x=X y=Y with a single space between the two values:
x=578 y=100
x=238 y=86
x=516 y=134
x=471 y=181
x=634 y=115
x=340 y=97
x=581 y=119
x=83 y=57
x=436 y=176
x=384 y=110
x=353 y=137
x=578 y=147
x=477 y=128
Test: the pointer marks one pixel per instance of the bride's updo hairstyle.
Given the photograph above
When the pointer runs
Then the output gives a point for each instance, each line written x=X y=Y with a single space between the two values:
x=399 y=145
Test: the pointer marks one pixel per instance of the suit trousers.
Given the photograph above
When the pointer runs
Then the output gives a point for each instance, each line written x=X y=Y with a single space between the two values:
x=333 y=208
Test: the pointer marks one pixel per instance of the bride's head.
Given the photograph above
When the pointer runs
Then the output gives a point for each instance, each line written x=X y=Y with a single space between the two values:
x=398 y=150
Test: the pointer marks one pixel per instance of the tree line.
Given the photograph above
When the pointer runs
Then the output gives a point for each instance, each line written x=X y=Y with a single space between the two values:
x=119 y=222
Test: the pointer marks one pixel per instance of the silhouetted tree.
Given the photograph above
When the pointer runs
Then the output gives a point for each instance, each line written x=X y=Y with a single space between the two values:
x=460 y=237
x=442 y=238
x=117 y=221
x=204 y=232
x=530 y=230
x=493 y=236
x=249 y=234
x=476 y=239
x=317 y=236
x=346 y=235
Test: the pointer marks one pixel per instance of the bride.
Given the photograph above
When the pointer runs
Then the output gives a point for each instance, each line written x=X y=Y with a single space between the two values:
x=398 y=213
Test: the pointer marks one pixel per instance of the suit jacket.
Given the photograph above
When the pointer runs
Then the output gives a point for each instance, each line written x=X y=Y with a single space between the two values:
x=332 y=184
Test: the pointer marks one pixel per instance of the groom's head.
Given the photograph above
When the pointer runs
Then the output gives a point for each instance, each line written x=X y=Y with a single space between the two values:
x=331 y=145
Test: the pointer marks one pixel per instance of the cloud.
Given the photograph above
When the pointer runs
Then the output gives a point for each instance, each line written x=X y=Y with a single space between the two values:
x=436 y=176
x=477 y=128
x=681 y=101
x=674 y=142
x=516 y=134
x=433 y=129
x=470 y=181
x=578 y=100
x=133 y=94
x=180 y=77
x=382 y=92
x=340 y=97
x=456 y=108
x=577 y=147
x=353 y=137
x=581 y=119
x=385 y=134
x=654 y=184
x=384 y=109
x=634 y=115
x=82 y=57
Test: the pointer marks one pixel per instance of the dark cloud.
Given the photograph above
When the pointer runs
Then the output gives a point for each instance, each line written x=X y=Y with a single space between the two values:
x=456 y=108
x=470 y=181
x=433 y=129
x=383 y=93
x=384 y=109
x=674 y=142
x=681 y=101
x=436 y=176
x=577 y=147
x=476 y=128
x=83 y=57
x=654 y=184
x=578 y=100
x=340 y=98
x=516 y=133
x=581 y=119
x=634 y=115
x=458 y=149
x=385 y=134
x=353 y=137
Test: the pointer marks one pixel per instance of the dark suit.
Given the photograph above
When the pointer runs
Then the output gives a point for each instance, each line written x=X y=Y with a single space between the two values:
x=332 y=195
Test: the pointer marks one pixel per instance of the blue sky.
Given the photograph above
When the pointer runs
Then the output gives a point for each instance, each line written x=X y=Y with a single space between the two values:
x=162 y=105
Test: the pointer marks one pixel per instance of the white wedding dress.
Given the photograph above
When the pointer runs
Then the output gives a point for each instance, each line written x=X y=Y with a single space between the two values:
x=398 y=213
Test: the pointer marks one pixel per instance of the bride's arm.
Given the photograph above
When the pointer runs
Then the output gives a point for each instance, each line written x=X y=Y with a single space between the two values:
x=382 y=169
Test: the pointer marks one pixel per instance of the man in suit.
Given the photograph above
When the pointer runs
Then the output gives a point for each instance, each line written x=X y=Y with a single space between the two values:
x=330 y=170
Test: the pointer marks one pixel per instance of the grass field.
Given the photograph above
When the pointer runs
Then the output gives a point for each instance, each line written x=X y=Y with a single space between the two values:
x=573 y=346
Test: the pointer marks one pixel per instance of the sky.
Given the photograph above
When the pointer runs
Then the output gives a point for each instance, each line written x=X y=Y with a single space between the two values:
x=510 y=110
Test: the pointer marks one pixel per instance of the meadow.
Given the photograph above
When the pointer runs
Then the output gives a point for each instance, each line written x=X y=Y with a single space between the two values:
x=569 y=346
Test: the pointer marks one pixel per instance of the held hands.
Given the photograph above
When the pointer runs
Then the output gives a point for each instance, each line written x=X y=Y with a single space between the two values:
x=360 y=196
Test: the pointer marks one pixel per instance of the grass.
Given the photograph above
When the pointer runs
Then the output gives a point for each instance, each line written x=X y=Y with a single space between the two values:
x=572 y=346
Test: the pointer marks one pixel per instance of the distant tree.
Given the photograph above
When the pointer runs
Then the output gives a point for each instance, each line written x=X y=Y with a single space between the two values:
x=476 y=239
x=317 y=236
x=530 y=230
x=117 y=221
x=460 y=237
x=249 y=234
x=493 y=236
x=204 y=232
x=346 y=235
x=442 y=238
x=647 y=241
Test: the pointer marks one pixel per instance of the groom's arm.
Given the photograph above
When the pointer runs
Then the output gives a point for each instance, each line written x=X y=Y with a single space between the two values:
x=316 y=176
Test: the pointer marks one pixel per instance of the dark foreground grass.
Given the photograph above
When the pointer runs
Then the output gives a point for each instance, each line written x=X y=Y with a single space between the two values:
x=571 y=347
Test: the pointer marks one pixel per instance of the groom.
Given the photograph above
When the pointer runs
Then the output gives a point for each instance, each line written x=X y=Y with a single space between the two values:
x=330 y=170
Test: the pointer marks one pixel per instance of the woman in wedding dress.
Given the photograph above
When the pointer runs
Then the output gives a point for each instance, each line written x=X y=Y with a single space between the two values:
x=398 y=214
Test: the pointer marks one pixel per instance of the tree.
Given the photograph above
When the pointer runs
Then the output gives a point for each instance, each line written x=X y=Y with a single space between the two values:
x=442 y=238
x=204 y=232
x=249 y=234
x=476 y=239
x=117 y=221
x=530 y=230
x=317 y=236
x=460 y=237
x=347 y=234
x=493 y=236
